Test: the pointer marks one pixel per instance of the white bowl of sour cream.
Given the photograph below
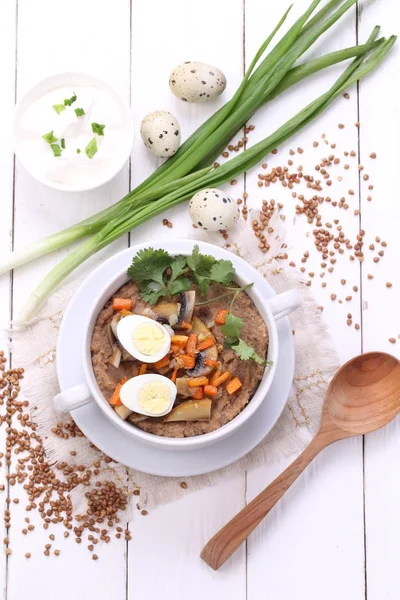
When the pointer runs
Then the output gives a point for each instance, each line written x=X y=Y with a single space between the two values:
x=73 y=132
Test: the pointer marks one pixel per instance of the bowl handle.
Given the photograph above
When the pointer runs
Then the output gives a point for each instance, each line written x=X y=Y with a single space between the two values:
x=285 y=303
x=72 y=398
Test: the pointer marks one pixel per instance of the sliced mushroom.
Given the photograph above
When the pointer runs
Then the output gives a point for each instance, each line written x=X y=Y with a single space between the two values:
x=116 y=357
x=187 y=300
x=191 y=410
x=182 y=387
x=200 y=368
x=122 y=411
x=136 y=418
x=167 y=313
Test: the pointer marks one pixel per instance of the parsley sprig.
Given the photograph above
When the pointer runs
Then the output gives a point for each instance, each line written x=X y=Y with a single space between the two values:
x=160 y=274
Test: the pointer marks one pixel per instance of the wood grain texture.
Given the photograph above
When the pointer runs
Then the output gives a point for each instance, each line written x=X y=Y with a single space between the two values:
x=362 y=397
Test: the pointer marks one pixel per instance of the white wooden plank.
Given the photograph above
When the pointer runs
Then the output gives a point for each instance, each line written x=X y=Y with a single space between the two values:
x=317 y=529
x=172 y=536
x=85 y=36
x=7 y=75
x=379 y=133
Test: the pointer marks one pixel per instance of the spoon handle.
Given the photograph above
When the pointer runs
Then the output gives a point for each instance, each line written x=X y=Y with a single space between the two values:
x=233 y=534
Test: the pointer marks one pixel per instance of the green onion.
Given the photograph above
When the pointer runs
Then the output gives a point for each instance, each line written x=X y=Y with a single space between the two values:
x=63 y=143
x=49 y=137
x=56 y=150
x=191 y=168
x=97 y=128
x=79 y=112
x=91 y=148
x=69 y=101
x=59 y=108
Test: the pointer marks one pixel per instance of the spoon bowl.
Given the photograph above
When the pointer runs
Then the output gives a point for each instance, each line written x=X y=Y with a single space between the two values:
x=363 y=396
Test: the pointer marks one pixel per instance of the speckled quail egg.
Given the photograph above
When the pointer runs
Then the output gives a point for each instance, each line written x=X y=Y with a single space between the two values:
x=212 y=210
x=151 y=395
x=196 y=82
x=143 y=338
x=161 y=133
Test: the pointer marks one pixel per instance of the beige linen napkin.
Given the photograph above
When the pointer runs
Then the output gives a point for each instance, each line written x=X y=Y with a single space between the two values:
x=34 y=347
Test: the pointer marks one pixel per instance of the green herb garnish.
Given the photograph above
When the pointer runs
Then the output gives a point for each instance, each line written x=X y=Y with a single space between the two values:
x=79 y=112
x=97 y=128
x=49 y=137
x=59 y=108
x=206 y=269
x=91 y=148
x=158 y=274
x=69 y=101
x=56 y=150
x=246 y=352
x=63 y=143
x=233 y=326
x=78 y=151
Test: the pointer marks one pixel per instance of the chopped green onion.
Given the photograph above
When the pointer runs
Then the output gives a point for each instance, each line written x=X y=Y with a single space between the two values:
x=69 y=101
x=63 y=143
x=59 y=108
x=56 y=150
x=49 y=137
x=91 y=148
x=79 y=112
x=97 y=128
x=78 y=151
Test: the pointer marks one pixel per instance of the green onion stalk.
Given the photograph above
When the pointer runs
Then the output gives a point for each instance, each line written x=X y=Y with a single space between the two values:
x=192 y=169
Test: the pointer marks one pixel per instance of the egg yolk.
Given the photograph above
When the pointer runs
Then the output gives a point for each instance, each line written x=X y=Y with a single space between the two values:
x=154 y=397
x=148 y=339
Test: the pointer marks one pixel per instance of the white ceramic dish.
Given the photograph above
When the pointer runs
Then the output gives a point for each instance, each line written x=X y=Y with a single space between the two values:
x=74 y=80
x=132 y=451
x=270 y=309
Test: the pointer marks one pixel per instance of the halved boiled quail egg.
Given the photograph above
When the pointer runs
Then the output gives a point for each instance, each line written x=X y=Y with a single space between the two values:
x=145 y=339
x=151 y=395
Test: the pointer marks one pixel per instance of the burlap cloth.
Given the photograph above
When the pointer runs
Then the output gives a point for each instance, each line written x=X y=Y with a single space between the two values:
x=34 y=347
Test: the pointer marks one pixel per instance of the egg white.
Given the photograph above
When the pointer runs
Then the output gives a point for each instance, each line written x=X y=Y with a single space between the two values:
x=129 y=393
x=125 y=331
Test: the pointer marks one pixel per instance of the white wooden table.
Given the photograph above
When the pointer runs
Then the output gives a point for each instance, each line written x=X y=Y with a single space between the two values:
x=336 y=534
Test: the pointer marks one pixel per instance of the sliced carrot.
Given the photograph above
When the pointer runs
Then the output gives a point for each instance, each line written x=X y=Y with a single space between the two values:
x=215 y=377
x=174 y=375
x=185 y=325
x=176 y=348
x=207 y=343
x=179 y=339
x=122 y=304
x=195 y=381
x=220 y=316
x=163 y=362
x=143 y=369
x=210 y=390
x=188 y=361
x=211 y=363
x=221 y=379
x=115 y=400
x=197 y=393
x=191 y=345
x=233 y=385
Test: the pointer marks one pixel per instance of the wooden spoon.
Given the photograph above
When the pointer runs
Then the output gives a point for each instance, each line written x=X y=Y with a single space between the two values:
x=363 y=396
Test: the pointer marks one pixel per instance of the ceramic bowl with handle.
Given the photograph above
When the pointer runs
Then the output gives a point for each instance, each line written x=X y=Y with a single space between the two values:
x=271 y=310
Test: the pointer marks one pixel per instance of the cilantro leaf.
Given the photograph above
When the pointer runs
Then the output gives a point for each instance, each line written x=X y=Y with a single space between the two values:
x=179 y=285
x=149 y=265
x=79 y=112
x=246 y=352
x=222 y=272
x=59 y=108
x=200 y=263
x=91 y=148
x=50 y=138
x=233 y=326
x=178 y=267
x=151 y=292
x=97 y=128
x=204 y=284
x=69 y=101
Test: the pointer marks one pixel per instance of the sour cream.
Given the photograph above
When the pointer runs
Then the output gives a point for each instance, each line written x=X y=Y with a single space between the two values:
x=76 y=168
